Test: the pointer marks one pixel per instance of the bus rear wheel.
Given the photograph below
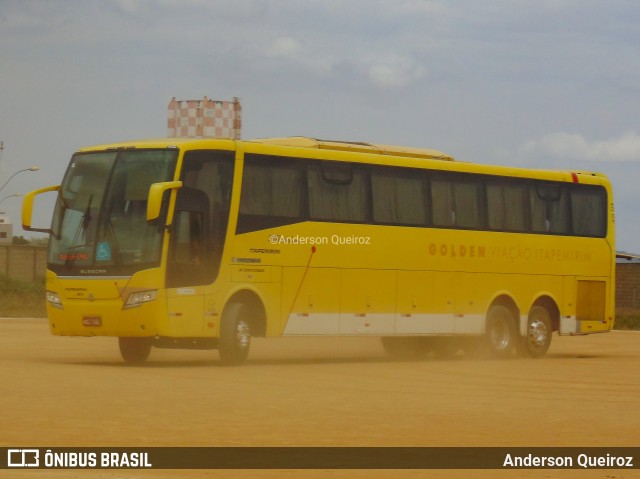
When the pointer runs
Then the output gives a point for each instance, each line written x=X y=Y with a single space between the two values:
x=235 y=335
x=537 y=340
x=500 y=334
x=134 y=350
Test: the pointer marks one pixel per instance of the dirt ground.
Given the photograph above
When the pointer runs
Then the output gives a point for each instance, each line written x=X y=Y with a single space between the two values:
x=59 y=391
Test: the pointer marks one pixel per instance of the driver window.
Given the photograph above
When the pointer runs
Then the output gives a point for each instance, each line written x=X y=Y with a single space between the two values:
x=200 y=219
x=187 y=238
x=186 y=265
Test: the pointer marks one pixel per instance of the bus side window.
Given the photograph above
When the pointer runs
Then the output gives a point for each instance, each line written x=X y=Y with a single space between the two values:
x=468 y=204
x=549 y=209
x=337 y=192
x=399 y=197
x=272 y=193
x=507 y=206
x=457 y=202
x=444 y=213
x=589 y=211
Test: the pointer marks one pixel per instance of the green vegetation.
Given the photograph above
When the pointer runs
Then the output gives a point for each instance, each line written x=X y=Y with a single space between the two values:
x=627 y=319
x=22 y=299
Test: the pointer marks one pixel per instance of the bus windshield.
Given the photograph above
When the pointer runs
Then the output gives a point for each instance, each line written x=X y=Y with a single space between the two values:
x=99 y=224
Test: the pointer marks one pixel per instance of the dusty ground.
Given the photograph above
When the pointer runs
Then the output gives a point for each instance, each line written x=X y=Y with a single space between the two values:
x=318 y=392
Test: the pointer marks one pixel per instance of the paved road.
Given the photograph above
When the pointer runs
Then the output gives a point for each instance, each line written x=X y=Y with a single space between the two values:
x=315 y=392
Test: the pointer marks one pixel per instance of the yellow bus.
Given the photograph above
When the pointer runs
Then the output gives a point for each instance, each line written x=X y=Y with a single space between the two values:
x=206 y=243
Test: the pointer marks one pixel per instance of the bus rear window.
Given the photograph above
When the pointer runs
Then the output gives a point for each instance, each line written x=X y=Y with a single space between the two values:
x=589 y=211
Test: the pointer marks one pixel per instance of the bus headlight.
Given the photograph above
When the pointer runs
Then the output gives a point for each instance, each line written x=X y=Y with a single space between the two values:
x=136 y=299
x=54 y=300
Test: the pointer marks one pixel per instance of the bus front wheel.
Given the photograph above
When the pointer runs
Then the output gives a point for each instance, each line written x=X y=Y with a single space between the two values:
x=235 y=335
x=500 y=335
x=537 y=340
x=135 y=350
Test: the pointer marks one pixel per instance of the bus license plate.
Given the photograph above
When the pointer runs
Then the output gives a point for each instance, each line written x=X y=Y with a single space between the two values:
x=92 y=321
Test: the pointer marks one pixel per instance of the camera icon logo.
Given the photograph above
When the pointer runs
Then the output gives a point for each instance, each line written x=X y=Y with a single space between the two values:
x=23 y=458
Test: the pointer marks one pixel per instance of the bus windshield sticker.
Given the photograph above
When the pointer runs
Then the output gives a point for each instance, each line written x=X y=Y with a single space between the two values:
x=103 y=252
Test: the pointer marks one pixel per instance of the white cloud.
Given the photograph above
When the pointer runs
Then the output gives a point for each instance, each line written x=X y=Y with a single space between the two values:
x=295 y=52
x=285 y=47
x=574 y=146
x=384 y=70
x=394 y=71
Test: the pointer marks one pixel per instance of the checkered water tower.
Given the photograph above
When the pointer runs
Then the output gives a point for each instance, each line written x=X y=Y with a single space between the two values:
x=204 y=118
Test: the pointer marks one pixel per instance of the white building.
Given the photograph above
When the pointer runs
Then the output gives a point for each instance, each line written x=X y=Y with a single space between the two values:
x=6 y=229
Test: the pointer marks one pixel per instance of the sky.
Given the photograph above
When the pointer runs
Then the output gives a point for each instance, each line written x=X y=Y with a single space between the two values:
x=535 y=83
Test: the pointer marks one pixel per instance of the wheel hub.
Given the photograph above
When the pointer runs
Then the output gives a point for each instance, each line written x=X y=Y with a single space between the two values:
x=538 y=333
x=243 y=334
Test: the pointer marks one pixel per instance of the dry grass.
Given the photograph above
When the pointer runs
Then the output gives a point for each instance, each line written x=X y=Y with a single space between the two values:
x=627 y=319
x=21 y=299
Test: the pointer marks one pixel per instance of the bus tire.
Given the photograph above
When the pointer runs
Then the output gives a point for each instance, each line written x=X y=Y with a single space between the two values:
x=537 y=339
x=235 y=335
x=406 y=347
x=500 y=332
x=134 y=350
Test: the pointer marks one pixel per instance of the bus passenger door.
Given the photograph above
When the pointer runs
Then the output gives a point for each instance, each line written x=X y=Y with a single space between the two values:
x=186 y=269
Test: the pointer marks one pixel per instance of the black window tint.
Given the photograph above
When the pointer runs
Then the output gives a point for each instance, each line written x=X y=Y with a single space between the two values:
x=549 y=208
x=507 y=205
x=272 y=193
x=443 y=208
x=200 y=218
x=398 y=196
x=337 y=191
x=278 y=191
x=456 y=202
x=589 y=211
x=271 y=186
x=468 y=200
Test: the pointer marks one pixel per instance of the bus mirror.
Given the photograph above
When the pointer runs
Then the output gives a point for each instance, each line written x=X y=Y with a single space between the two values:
x=27 y=208
x=154 y=201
